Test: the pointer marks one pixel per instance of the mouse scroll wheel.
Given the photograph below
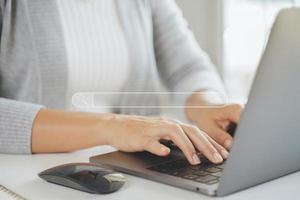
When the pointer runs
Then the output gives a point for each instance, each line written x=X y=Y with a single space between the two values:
x=115 y=177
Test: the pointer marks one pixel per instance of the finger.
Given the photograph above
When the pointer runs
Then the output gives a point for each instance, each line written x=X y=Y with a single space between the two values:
x=203 y=144
x=178 y=136
x=224 y=153
x=233 y=112
x=155 y=147
x=223 y=124
x=222 y=137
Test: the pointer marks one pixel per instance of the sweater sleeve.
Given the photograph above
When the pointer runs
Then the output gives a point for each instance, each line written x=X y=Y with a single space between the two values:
x=16 y=121
x=183 y=66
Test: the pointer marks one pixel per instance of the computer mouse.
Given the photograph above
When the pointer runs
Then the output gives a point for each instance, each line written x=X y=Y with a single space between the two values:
x=86 y=177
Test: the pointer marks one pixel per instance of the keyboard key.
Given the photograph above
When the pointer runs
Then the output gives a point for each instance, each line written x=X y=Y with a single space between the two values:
x=201 y=173
x=175 y=173
x=187 y=171
x=205 y=179
x=213 y=182
x=196 y=167
x=191 y=177
x=218 y=174
x=213 y=169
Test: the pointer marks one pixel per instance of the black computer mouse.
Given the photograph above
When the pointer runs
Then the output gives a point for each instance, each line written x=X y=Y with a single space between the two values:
x=86 y=177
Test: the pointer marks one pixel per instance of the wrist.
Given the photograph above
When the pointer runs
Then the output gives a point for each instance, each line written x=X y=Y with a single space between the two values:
x=104 y=128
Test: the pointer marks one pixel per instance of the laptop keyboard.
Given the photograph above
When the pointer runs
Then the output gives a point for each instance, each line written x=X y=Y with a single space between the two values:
x=206 y=172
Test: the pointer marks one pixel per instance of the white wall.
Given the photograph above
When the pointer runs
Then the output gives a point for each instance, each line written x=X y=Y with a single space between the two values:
x=204 y=20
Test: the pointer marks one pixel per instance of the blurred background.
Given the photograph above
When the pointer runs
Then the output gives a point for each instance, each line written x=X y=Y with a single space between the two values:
x=234 y=33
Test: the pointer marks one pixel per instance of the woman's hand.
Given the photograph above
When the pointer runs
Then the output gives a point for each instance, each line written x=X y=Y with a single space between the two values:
x=214 y=120
x=57 y=131
x=135 y=133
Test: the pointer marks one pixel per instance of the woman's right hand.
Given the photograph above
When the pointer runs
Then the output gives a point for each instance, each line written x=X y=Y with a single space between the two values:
x=136 y=133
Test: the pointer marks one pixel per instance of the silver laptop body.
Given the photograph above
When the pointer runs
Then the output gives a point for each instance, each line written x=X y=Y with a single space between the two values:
x=267 y=140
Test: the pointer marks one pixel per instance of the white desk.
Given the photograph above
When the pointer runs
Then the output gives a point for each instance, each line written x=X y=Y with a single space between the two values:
x=19 y=173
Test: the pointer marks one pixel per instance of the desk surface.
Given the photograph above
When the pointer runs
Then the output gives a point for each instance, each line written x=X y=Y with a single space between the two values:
x=19 y=173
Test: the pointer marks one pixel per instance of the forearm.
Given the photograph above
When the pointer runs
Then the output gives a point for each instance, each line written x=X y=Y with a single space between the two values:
x=58 y=131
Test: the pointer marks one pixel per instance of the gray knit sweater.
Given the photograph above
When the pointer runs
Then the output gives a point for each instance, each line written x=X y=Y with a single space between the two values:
x=33 y=62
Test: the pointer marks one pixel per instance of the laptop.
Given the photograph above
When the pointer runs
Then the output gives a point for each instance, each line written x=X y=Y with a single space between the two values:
x=267 y=140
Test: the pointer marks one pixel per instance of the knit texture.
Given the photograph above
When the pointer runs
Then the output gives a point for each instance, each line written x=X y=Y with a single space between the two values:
x=97 y=52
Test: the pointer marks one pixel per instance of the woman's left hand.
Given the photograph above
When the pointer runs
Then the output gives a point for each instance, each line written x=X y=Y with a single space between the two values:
x=214 y=120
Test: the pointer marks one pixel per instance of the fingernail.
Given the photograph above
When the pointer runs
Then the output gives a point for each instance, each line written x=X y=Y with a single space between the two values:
x=228 y=144
x=217 y=158
x=196 y=159
x=225 y=154
x=165 y=150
